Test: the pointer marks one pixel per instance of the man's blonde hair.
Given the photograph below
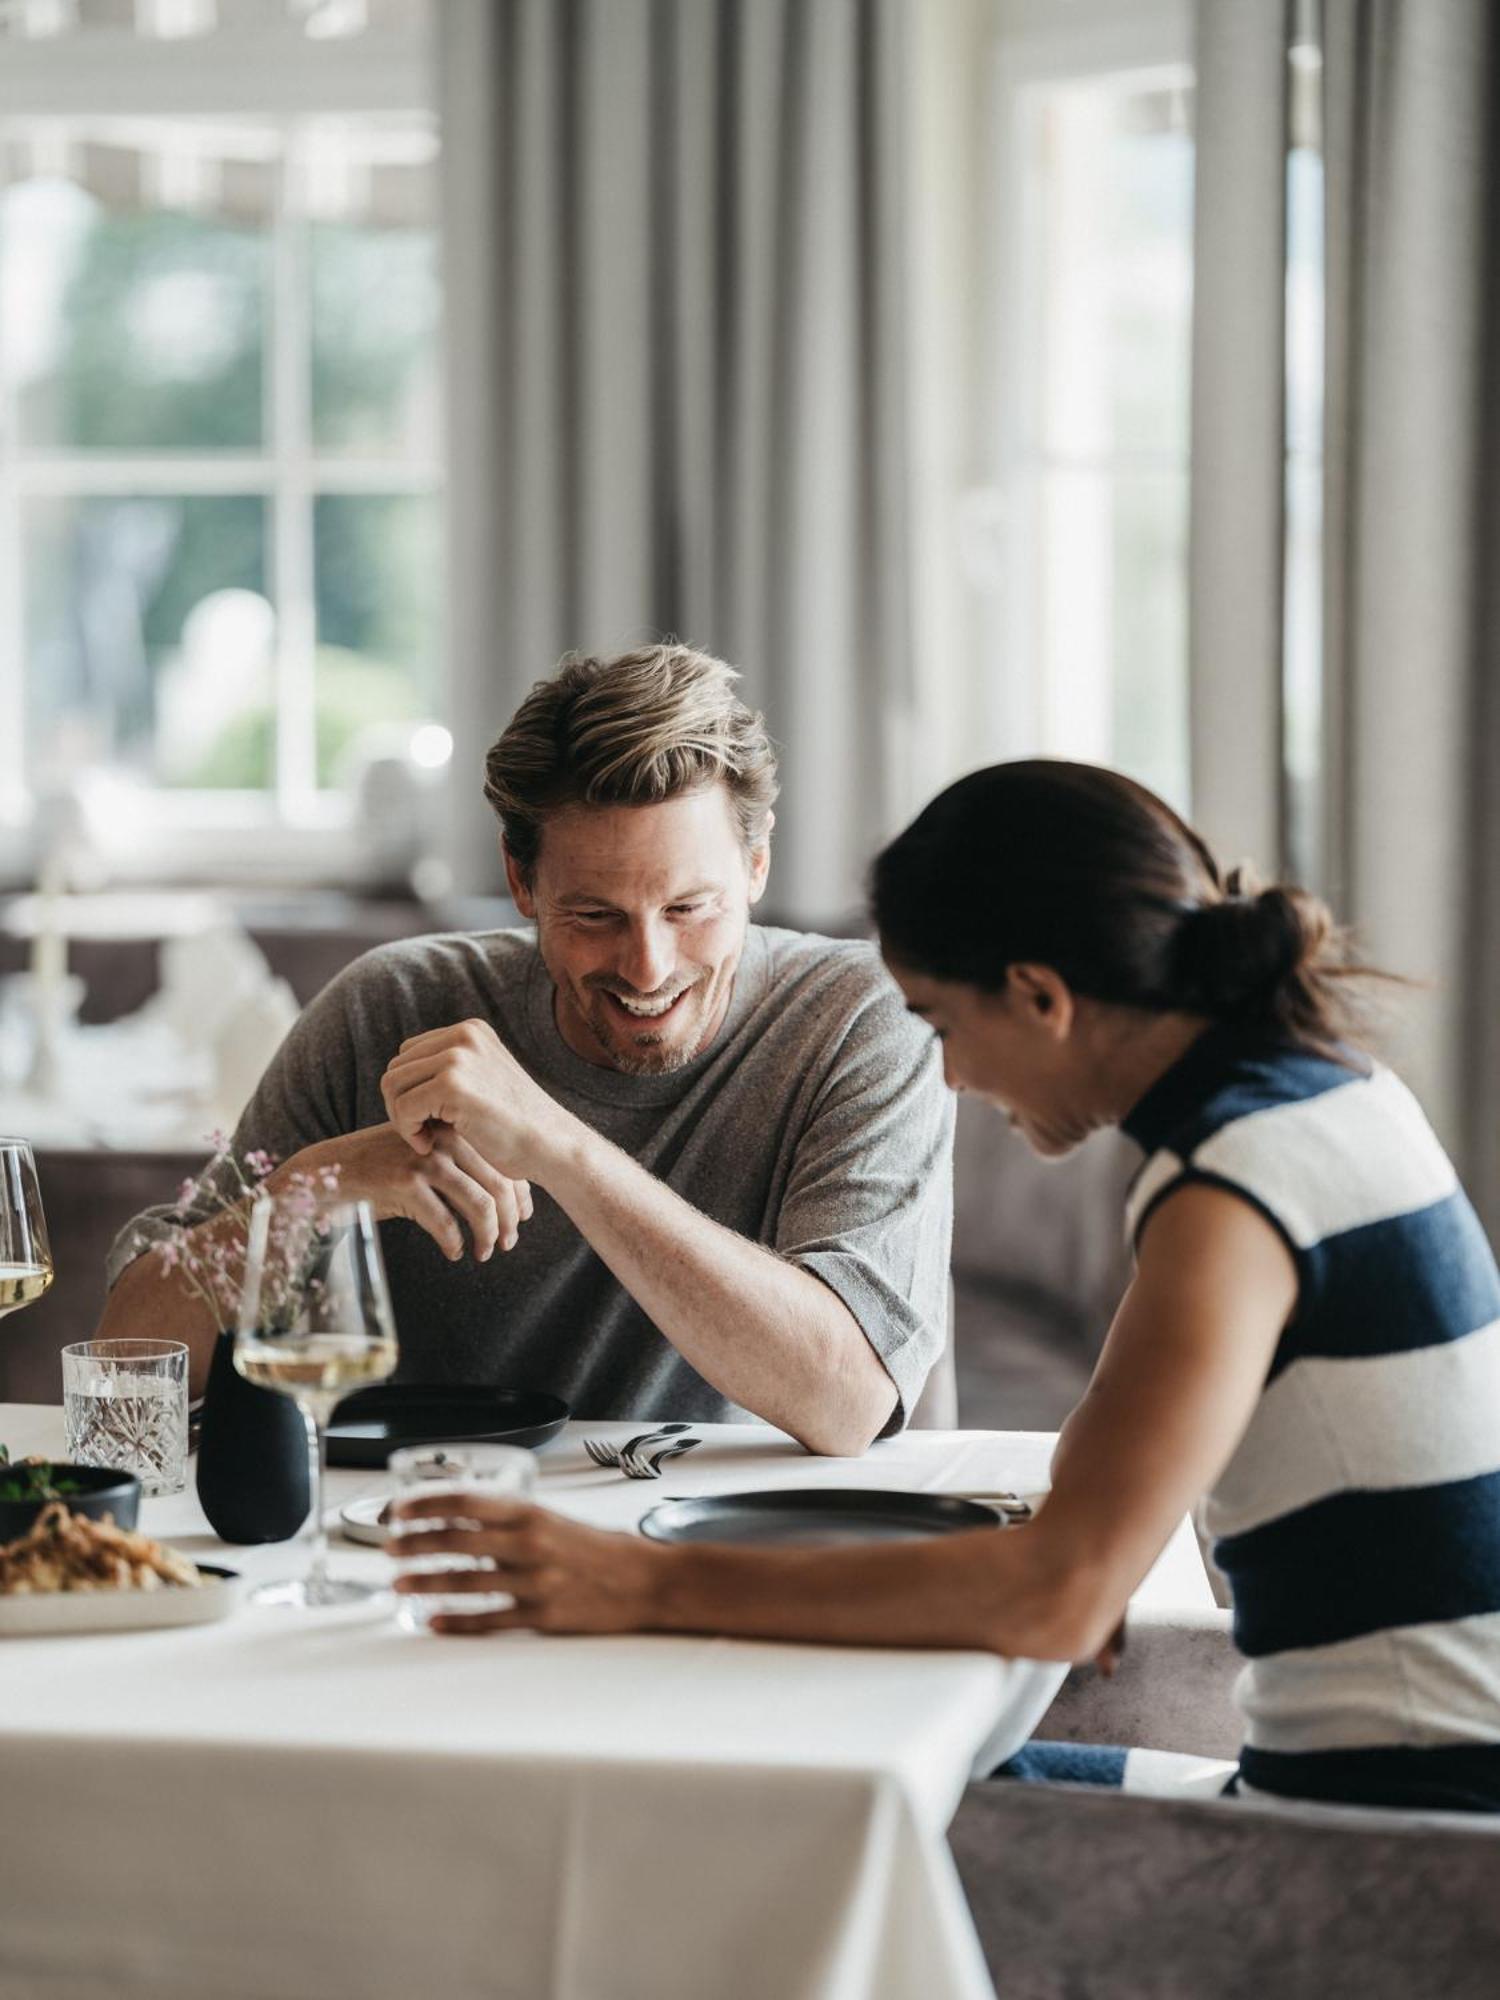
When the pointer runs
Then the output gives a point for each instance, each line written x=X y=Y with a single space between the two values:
x=628 y=731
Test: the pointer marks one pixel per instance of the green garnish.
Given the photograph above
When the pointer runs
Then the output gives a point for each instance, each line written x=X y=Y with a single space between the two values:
x=34 y=1479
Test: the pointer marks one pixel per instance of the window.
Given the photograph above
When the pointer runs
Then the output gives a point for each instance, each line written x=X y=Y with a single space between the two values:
x=1079 y=544
x=219 y=418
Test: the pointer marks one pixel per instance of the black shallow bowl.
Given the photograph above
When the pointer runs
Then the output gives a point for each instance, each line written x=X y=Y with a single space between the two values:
x=105 y=1491
x=815 y=1517
x=372 y=1423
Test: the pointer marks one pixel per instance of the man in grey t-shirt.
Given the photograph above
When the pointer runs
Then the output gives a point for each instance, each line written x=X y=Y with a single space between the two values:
x=659 y=1160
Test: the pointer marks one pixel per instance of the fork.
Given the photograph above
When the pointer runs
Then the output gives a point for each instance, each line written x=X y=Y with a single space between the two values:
x=617 y=1457
x=632 y=1460
x=658 y=1459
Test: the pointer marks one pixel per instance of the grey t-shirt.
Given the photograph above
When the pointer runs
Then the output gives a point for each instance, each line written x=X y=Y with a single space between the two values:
x=817 y=1124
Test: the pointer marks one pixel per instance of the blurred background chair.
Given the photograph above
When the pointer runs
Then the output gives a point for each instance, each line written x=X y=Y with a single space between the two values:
x=89 y=1195
x=1082 y=1893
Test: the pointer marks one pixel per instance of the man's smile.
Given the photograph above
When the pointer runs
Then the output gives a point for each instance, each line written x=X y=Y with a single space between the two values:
x=643 y=1008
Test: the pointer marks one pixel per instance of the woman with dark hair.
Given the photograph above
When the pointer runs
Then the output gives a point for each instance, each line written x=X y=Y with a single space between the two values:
x=1309 y=1345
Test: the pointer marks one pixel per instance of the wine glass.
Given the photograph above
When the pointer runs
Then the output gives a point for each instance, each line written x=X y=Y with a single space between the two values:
x=25 y=1260
x=315 y=1323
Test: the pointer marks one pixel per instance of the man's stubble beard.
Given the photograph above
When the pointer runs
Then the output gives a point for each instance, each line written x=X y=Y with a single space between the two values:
x=644 y=1055
x=647 y=1060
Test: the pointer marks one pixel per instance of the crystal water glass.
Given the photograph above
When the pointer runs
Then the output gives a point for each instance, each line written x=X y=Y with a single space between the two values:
x=459 y=1472
x=125 y=1405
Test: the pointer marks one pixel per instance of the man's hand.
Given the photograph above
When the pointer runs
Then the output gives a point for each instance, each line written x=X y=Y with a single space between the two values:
x=464 y=1078
x=563 y=1577
x=447 y=1185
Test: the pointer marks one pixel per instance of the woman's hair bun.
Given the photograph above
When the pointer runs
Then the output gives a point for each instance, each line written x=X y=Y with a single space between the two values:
x=1248 y=954
x=1043 y=862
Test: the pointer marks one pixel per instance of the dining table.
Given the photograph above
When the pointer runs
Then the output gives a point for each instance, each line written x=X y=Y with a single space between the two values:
x=294 y=1803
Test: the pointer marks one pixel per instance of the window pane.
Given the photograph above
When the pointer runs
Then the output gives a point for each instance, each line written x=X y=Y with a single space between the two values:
x=150 y=641
x=374 y=329
x=1113 y=630
x=1111 y=165
x=129 y=328
x=378 y=591
x=1150 y=653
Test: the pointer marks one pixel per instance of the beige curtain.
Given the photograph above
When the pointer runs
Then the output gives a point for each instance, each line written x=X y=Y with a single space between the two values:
x=675 y=247
x=1405 y=801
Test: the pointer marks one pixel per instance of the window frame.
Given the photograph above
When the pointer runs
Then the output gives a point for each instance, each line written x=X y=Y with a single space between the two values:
x=293 y=832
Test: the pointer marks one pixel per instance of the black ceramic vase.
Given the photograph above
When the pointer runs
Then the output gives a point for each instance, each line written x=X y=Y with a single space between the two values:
x=252 y=1456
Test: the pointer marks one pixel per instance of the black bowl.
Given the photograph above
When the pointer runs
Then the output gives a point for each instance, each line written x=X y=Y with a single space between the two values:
x=103 y=1491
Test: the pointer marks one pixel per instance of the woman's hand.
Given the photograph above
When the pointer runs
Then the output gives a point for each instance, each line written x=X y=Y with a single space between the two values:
x=563 y=1577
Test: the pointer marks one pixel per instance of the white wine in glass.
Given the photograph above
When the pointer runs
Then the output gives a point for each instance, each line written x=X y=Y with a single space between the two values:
x=25 y=1259
x=315 y=1323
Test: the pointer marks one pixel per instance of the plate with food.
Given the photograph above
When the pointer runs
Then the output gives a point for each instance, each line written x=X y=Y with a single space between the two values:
x=68 y=1573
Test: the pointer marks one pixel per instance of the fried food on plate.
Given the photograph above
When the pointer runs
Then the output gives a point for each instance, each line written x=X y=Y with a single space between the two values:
x=64 y=1551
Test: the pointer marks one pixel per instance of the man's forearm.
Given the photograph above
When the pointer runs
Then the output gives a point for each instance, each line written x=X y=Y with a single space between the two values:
x=766 y=1334
x=150 y=1302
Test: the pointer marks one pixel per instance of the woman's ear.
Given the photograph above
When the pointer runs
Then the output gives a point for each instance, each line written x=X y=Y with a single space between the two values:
x=1042 y=998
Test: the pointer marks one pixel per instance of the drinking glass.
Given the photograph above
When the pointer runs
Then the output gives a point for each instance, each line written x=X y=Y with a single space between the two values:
x=458 y=1471
x=25 y=1260
x=315 y=1323
x=125 y=1404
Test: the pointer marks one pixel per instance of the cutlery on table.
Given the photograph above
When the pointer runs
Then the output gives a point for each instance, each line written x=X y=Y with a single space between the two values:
x=660 y=1458
x=631 y=1458
x=611 y=1455
x=602 y=1452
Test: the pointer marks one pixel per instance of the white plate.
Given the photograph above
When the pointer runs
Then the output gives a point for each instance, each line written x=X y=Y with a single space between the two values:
x=122 y=1610
x=361 y=1522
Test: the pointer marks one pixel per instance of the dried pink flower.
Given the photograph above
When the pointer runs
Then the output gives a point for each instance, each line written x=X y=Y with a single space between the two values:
x=209 y=1250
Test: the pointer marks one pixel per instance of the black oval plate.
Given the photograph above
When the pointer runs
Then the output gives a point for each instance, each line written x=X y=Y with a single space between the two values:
x=372 y=1423
x=815 y=1517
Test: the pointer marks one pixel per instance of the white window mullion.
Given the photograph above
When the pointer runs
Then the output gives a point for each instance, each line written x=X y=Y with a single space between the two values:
x=377 y=476
x=292 y=563
x=83 y=475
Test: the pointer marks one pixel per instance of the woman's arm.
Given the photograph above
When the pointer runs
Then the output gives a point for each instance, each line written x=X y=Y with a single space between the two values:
x=1176 y=1383
x=1171 y=1396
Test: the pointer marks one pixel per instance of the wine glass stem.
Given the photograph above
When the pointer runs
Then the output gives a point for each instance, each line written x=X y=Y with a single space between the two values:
x=317 y=1562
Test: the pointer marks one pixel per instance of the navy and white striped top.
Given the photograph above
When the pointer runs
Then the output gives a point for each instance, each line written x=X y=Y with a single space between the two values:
x=1358 y=1521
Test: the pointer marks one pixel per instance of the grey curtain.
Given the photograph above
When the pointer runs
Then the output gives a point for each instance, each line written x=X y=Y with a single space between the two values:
x=1236 y=519
x=675 y=250
x=1406 y=802
x=1412 y=97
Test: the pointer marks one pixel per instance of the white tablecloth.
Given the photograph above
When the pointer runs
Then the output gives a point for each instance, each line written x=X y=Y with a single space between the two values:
x=297 y=1804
